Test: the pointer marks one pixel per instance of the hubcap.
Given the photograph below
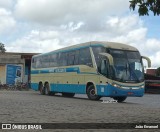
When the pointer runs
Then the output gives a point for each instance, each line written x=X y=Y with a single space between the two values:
x=92 y=92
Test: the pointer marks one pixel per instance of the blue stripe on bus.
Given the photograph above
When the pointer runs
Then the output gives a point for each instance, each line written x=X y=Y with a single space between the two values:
x=60 y=70
x=73 y=69
x=70 y=88
x=35 y=72
x=102 y=90
x=56 y=70
x=34 y=86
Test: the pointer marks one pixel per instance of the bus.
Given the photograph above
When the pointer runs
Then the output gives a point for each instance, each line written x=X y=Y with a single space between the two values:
x=96 y=68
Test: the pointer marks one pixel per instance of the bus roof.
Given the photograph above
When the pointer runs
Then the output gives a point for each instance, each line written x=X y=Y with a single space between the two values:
x=112 y=45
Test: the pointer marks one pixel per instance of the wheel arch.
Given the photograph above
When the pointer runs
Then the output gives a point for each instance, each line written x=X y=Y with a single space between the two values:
x=47 y=82
x=91 y=83
x=40 y=83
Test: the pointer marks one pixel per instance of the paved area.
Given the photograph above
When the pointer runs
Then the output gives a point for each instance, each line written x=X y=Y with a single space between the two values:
x=31 y=107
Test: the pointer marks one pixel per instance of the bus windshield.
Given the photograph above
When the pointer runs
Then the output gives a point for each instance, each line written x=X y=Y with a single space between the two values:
x=127 y=66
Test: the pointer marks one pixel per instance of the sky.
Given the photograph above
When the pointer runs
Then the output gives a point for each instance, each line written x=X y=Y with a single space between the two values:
x=38 y=26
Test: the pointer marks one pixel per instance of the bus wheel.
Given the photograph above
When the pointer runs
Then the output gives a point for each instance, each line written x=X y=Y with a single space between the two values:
x=91 y=93
x=47 y=91
x=120 y=99
x=41 y=89
x=68 y=94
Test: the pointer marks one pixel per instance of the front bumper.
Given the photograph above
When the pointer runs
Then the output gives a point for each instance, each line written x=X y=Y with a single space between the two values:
x=111 y=91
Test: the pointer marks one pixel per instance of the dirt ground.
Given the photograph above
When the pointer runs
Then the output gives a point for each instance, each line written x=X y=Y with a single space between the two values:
x=31 y=107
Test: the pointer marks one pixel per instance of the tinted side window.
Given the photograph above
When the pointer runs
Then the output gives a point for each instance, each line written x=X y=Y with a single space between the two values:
x=54 y=60
x=33 y=62
x=45 y=60
x=85 y=57
x=38 y=62
x=76 y=59
x=62 y=61
x=71 y=57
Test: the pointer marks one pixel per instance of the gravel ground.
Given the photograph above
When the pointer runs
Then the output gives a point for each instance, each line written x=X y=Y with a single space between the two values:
x=31 y=107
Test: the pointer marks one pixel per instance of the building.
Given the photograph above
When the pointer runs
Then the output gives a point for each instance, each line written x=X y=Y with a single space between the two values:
x=151 y=71
x=152 y=82
x=15 y=67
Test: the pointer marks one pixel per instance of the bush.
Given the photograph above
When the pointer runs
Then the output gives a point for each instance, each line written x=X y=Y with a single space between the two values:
x=158 y=72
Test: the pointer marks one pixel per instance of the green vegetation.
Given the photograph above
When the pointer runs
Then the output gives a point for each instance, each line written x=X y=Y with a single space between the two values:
x=158 y=72
x=2 y=48
x=144 y=6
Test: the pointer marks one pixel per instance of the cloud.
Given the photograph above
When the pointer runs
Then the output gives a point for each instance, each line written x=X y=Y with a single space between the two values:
x=6 y=3
x=52 y=24
x=65 y=11
x=7 y=22
x=73 y=33
x=35 y=42
x=155 y=59
x=135 y=34
x=153 y=45
x=50 y=38
x=123 y=25
x=152 y=49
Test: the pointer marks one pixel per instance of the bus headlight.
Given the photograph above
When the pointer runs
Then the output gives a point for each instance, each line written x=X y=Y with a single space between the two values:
x=142 y=86
x=117 y=86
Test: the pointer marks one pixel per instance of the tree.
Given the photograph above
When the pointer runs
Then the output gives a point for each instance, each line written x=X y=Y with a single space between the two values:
x=158 y=72
x=2 y=48
x=145 y=6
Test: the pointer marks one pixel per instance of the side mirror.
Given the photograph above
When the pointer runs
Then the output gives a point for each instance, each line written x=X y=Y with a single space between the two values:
x=148 y=60
x=109 y=56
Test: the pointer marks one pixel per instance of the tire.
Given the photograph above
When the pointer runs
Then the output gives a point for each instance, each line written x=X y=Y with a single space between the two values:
x=68 y=94
x=91 y=93
x=47 y=90
x=41 y=89
x=120 y=99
